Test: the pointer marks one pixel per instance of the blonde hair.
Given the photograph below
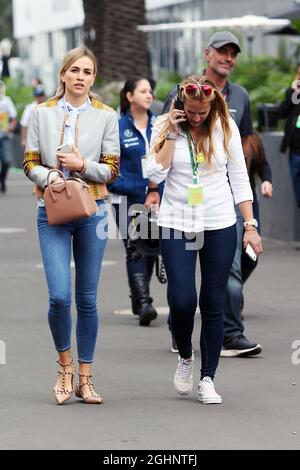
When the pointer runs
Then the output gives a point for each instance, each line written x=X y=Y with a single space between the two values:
x=68 y=60
x=218 y=110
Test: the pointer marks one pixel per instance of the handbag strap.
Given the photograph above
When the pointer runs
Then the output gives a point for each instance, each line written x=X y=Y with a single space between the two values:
x=49 y=185
x=62 y=135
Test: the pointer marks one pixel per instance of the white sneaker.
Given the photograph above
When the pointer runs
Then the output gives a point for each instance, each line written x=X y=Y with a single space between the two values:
x=207 y=393
x=183 y=379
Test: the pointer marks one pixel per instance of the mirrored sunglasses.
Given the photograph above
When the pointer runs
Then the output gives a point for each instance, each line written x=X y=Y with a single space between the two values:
x=192 y=89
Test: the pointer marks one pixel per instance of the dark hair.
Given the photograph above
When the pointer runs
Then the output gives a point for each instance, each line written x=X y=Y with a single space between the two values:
x=129 y=86
x=257 y=146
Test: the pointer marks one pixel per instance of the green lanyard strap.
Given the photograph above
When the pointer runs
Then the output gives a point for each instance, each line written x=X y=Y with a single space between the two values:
x=192 y=157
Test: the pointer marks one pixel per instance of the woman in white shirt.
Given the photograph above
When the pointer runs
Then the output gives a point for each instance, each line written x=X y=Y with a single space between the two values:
x=197 y=151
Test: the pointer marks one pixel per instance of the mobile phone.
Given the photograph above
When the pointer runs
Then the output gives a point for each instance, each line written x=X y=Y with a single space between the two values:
x=178 y=103
x=250 y=252
x=65 y=148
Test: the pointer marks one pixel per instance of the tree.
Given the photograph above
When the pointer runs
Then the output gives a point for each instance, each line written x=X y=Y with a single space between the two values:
x=110 y=31
x=5 y=19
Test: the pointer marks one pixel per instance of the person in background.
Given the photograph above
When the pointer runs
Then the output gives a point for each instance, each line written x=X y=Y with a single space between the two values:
x=77 y=117
x=197 y=151
x=243 y=266
x=130 y=188
x=289 y=109
x=39 y=94
x=8 y=122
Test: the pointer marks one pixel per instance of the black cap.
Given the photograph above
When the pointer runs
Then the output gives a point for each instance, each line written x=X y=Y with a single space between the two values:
x=39 y=90
x=221 y=38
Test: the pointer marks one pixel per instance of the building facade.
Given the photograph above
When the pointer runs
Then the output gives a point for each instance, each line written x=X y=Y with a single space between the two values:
x=182 y=51
x=45 y=31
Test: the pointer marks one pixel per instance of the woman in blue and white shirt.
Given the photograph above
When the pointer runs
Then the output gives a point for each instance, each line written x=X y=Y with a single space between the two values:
x=197 y=151
x=129 y=190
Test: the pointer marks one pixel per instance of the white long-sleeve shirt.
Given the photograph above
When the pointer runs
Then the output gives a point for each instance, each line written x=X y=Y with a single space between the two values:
x=217 y=210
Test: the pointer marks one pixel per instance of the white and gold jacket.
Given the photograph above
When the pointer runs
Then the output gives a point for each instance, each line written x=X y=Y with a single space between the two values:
x=98 y=143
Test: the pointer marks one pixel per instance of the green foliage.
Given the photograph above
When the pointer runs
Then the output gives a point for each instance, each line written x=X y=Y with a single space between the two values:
x=21 y=95
x=165 y=83
x=265 y=79
x=6 y=19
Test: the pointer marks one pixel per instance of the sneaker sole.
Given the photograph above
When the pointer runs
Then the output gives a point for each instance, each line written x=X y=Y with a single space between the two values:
x=211 y=401
x=173 y=350
x=181 y=392
x=241 y=353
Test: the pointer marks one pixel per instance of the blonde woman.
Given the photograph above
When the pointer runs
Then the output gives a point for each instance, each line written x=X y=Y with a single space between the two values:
x=77 y=117
x=196 y=148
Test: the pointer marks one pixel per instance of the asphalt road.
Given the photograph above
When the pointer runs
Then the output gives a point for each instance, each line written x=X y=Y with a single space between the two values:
x=134 y=367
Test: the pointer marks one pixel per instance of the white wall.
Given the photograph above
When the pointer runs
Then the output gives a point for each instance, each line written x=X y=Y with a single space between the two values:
x=31 y=17
x=152 y=4
x=43 y=28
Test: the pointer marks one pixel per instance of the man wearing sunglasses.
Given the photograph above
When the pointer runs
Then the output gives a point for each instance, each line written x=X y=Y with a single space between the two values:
x=221 y=55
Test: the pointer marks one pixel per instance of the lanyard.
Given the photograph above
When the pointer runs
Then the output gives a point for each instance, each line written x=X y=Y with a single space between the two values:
x=194 y=161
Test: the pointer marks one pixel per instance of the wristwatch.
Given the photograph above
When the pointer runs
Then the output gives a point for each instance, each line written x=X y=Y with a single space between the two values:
x=251 y=223
x=171 y=135
x=153 y=190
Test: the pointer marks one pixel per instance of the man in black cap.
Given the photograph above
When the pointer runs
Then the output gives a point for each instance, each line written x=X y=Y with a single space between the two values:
x=221 y=56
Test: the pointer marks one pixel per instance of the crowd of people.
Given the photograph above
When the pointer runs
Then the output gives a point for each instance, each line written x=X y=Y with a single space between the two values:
x=198 y=164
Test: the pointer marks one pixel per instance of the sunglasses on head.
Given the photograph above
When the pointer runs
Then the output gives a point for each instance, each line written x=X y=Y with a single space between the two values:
x=191 y=89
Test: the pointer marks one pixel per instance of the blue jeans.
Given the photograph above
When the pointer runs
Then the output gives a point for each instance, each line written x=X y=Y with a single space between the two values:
x=233 y=325
x=88 y=249
x=5 y=151
x=295 y=174
x=216 y=257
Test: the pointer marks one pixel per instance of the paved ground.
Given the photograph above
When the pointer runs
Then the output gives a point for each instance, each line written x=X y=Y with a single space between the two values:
x=134 y=367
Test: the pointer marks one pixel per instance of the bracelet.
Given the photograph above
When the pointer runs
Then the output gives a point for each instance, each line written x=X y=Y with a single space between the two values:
x=250 y=228
x=171 y=135
x=84 y=167
x=153 y=190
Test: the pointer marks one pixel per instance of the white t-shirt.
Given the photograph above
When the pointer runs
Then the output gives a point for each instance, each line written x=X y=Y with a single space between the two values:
x=144 y=134
x=26 y=114
x=217 y=210
x=7 y=112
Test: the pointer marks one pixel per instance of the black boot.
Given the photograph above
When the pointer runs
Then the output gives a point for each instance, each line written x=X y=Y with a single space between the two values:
x=140 y=299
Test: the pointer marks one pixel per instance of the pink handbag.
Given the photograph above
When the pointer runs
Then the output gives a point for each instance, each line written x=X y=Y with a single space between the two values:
x=68 y=200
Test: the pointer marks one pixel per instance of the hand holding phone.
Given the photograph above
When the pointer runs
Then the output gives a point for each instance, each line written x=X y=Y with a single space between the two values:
x=178 y=103
x=177 y=114
x=250 y=252
x=65 y=148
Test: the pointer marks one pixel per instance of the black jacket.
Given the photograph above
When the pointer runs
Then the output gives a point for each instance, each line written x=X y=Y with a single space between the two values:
x=287 y=109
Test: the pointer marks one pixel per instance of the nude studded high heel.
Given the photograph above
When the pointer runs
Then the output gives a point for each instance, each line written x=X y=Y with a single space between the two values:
x=87 y=392
x=63 y=390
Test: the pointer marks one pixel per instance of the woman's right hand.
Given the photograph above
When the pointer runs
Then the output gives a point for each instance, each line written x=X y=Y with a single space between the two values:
x=176 y=116
x=266 y=189
x=55 y=178
x=296 y=84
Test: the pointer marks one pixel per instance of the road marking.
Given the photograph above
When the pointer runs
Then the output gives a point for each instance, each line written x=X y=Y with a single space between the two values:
x=128 y=311
x=12 y=230
x=160 y=311
x=105 y=264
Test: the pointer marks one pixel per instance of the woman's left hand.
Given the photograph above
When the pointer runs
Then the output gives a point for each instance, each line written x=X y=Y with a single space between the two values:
x=71 y=161
x=252 y=237
x=266 y=189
